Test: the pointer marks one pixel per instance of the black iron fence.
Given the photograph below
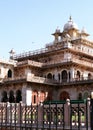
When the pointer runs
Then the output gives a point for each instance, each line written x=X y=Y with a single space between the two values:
x=58 y=115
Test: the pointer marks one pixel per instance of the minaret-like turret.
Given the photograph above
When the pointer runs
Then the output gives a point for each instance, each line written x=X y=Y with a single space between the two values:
x=12 y=52
x=57 y=34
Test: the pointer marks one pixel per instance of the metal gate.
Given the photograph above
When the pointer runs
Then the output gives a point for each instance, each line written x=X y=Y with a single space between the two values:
x=49 y=115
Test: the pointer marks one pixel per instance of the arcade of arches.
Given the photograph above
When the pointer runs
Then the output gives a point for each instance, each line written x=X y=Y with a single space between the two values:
x=11 y=97
x=64 y=95
x=65 y=76
x=38 y=96
x=41 y=96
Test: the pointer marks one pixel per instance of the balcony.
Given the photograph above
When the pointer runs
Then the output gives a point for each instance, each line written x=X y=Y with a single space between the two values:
x=33 y=79
x=14 y=80
x=66 y=61
x=42 y=80
x=30 y=63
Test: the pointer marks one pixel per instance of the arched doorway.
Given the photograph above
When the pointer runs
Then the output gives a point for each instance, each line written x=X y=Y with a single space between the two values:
x=89 y=76
x=11 y=97
x=64 y=95
x=64 y=76
x=4 y=97
x=34 y=97
x=80 y=96
x=85 y=95
x=58 y=77
x=78 y=75
x=69 y=74
x=49 y=76
x=9 y=73
x=18 y=96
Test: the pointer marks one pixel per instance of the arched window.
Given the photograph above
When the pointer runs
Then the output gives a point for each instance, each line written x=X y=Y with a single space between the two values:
x=53 y=76
x=34 y=100
x=58 y=77
x=4 y=97
x=89 y=76
x=69 y=76
x=18 y=96
x=64 y=76
x=80 y=96
x=11 y=97
x=9 y=73
x=78 y=75
x=49 y=76
x=86 y=95
x=34 y=97
x=64 y=95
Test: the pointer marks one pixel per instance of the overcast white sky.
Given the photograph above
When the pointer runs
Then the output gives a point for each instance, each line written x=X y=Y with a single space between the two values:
x=27 y=25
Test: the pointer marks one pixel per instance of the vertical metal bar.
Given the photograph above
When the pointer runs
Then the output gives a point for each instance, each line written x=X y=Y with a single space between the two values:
x=49 y=115
x=1 y=116
x=37 y=115
x=25 y=114
x=63 y=117
x=43 y=116
x=70 y=116
x=91 y=114
x=10 y=115
x=15 y=115
x=20 y=110
x=86 y=114
x=6 y=116
x=56 y=116
x=31 y=116
x=78 y=116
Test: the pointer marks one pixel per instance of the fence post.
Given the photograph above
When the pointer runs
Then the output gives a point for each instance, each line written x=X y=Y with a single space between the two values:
x=91 y=111
x=67 y=114
x=40 y=114
x=8 y=112
x=88 y=113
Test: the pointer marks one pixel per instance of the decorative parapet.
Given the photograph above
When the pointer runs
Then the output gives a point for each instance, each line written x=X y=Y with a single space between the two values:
x=37 y=79
x=73 y=60
x=30 y=62
x=9 y=62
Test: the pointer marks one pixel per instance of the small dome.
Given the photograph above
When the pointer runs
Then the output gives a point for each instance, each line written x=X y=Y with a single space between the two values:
x=83 y=30
x=57 y=30
x=70 y=25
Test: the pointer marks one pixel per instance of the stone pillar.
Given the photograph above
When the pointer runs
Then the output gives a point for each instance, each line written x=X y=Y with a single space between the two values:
x=40 y=114
x=24 y=94
x=28 y=96
x=72 y=72
x=67 y=114
x=88 y=111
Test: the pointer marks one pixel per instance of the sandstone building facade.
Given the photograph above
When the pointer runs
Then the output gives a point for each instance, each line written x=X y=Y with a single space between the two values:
x=63 y=69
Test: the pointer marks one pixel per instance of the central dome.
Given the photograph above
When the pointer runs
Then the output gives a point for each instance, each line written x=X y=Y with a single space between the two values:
x=70 y=25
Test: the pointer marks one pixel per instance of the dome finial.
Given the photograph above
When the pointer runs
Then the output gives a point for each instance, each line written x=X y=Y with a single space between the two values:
x=70 y=18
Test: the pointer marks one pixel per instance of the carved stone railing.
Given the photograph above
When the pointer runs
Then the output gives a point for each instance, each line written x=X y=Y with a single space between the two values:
x=14 y=79
x=30 y=62
x=41 y=80
x=73 y=60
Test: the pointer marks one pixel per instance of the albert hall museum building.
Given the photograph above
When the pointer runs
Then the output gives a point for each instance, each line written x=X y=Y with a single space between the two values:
x=61 y=70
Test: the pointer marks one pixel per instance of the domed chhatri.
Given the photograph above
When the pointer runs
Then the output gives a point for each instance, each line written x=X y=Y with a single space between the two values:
x=70 y=25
